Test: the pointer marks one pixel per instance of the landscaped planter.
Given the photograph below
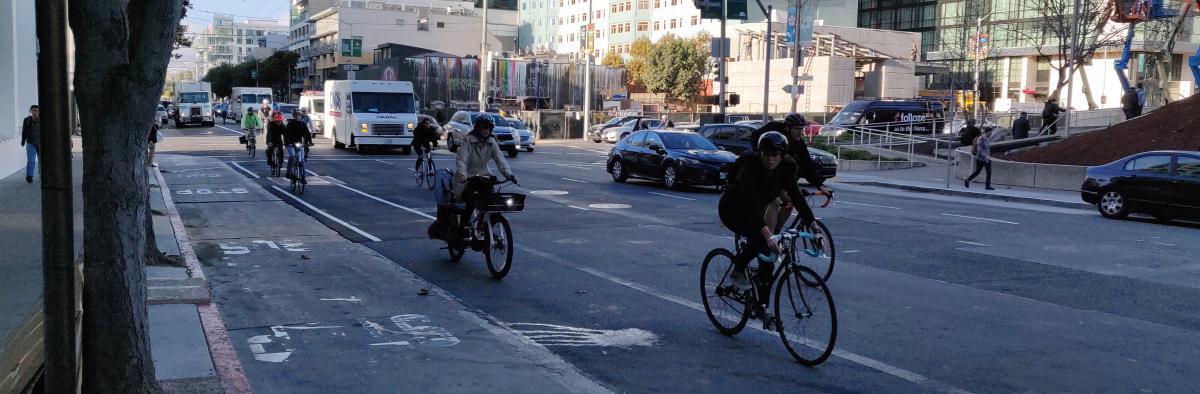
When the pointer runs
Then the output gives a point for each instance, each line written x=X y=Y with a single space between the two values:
x=1015 y=173
x=873 y=165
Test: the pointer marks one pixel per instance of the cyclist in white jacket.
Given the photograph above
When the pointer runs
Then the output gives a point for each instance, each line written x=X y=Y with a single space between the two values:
x=471 y=175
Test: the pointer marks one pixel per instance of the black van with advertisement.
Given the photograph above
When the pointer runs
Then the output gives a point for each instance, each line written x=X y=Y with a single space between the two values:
x=898 y=116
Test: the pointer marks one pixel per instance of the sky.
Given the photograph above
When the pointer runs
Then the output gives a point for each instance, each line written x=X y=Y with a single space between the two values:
x=201 y=15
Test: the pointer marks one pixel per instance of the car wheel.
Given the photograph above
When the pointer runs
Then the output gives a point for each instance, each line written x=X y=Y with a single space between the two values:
x=512 y=153
x=336 y=143
x=671 y=177
x=405 y=150
x=530 y=150
x=618 y=171
x=1113 y=205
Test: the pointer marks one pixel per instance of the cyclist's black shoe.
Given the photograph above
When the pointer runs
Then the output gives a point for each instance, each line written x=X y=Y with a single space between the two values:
x=303 y=181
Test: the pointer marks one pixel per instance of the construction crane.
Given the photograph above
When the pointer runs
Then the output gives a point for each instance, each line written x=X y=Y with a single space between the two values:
x=1138 y=11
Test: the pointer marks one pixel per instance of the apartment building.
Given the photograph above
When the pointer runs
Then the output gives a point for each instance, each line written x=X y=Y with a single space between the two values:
x=227 y=41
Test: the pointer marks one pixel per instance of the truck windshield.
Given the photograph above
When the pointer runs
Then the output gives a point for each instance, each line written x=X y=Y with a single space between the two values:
x=383 y=103
x=193 y=98
x=318 y=106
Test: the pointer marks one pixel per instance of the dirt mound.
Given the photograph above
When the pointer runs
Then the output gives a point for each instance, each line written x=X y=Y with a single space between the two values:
x=1175 y=126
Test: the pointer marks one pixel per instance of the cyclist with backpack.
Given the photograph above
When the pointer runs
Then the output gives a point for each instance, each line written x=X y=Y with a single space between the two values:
x=792 y=128
x=756 y=181
x=296 y=132
x=423 y=138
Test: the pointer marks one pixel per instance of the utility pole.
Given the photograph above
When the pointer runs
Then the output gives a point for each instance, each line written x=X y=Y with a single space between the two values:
x=796 y=55
x=587 y=75
x=58 y=244
x=978 y=44
x=1071 y=64
x=485 y=63
x=769 y=44
x=722 y=51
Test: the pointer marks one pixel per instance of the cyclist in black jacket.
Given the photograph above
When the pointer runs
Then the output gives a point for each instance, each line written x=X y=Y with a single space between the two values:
x=297 y=132
x=756 y=181
x=793 y=128
x=424 y=136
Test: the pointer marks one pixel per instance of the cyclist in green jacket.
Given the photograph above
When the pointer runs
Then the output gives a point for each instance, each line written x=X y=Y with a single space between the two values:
x=250 y=124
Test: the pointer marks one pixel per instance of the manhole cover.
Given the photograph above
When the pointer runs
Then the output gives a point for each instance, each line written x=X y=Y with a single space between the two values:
x=549 y=192
x=611 y=206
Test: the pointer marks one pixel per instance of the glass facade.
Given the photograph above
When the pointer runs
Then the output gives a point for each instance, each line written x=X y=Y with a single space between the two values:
x=904 y=15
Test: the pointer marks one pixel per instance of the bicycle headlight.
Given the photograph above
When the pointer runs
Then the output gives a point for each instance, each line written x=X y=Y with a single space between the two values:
x=363 y=128
x=509 y=202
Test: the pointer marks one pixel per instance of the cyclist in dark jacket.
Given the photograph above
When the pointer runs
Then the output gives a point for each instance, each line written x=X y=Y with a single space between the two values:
x=793 y=128
x=756 y=181
x=424 y=136
x=275 y=131
x=297 y=132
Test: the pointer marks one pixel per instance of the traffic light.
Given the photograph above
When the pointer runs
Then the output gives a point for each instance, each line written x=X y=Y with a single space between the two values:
x=734 y=100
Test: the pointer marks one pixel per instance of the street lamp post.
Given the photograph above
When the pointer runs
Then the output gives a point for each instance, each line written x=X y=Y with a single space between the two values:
x=978 y=44
x=587 y=75
x=484 y=61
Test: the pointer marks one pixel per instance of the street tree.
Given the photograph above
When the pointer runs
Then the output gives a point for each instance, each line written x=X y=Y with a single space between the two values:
x=612 y=59
x=675 y=67
x=119 y=47
x=222 y=79
x=639 y=50
x=1050 y=32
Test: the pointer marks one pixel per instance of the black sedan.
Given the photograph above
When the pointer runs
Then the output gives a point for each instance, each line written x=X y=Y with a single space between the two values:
x=1164 y=184
x=736 y=138
x=676 y=158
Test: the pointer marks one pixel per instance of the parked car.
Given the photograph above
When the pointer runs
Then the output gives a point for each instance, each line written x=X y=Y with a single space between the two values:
x=735 y=138
x=597 y=132
x=614 y=134
x=462 y=122
x=161 y=114
x=221 y=110
x=1164 y=184
x=527 y=141
x=676 y=158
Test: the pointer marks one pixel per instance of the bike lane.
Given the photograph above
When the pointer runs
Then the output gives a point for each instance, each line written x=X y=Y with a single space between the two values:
x=310 y=311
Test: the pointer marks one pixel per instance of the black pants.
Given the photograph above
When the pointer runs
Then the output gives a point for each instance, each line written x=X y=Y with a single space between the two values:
x=980 y=166
x=1052 y=124
x=476 y=189
x=742 y=221
x=418 y=150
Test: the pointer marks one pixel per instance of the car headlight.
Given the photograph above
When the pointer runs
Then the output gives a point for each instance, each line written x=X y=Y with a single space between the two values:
x=411 y=126
x=363 y=128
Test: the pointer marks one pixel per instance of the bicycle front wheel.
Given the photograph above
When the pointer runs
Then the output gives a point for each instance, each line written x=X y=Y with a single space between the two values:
x=807 y=319
x=499 y=252
x=430 y=171
x=724 y=303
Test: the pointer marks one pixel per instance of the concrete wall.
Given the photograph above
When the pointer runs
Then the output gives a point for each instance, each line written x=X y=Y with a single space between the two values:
x=1047 y=176
x=891 y=78
x=18 y=79
x=832 y=84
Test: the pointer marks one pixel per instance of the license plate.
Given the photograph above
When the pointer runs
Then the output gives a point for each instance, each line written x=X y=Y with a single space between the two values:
x=723 y=175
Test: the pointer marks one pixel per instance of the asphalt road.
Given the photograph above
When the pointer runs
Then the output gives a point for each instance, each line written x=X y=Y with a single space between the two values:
x=933 y=293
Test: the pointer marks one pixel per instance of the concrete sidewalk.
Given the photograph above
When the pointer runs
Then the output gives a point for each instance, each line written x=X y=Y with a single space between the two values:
x=932 y=179
x=310 y=311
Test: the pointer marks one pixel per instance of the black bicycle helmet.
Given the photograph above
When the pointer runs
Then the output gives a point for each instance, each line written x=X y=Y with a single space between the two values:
x=795 y=119
x=483 y=122
x=772 y=143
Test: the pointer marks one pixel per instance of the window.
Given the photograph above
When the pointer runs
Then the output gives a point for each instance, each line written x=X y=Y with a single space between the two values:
x=643 y=26
x=673 y=25
x=1187 y=166
x=657 y=25
x=571 y=37
x=614 y=8
x=643 y=4
x=1155 y=164
x=572 y=18
x=599 y=14
x=674 y=2
x=441 y=25
x=560 y=39
x=652 y=140
x=695 y=20
x=422 y=24
x=637 y=140
x=726 y=133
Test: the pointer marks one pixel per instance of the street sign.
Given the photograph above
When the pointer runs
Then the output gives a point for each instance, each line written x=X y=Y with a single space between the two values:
x=793 y=89
x=352 y=46
x=350 y=67
x=804 y=78
x=719 y=48
x=253 y=74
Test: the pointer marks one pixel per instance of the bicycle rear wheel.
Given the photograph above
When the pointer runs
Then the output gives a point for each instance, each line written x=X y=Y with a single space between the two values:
x=807 y=318
x=418 y=176
x=499 y=252
x=430 y=171
x=724 y=303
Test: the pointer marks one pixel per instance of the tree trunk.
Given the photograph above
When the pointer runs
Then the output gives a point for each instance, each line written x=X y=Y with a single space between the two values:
x=1087 y=87
x=121 y=54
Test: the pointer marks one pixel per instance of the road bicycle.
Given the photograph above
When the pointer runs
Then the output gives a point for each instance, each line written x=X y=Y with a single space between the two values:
x=424 y=175
x=487 y=231
x=275 y=159
x=296 y=169
x=803 y=312
x=251 y=143
x=820 y=247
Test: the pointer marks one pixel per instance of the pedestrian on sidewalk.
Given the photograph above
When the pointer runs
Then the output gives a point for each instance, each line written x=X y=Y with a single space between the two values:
x=31 y=136
x=1141 y=98
x=982 y=149
x=1129 y=103
x=1020 y=128
x=154 y=138
x=968 y=133
x=1050 y=116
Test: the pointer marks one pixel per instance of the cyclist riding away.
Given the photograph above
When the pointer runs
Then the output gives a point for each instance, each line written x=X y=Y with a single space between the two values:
x=275 y=131
x=756 y=181
x=471 y=166
x=250 y=124
x=793 y=129
x=297 y=132
x=423 y=137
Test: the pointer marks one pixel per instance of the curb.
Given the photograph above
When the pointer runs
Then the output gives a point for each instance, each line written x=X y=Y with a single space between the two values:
x=224 y=357
x=986 y=196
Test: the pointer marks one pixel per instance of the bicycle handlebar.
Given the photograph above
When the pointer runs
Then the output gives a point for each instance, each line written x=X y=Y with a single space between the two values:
x=828 y=195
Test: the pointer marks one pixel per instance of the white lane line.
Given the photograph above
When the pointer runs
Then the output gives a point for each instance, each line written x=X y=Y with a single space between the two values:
x=364 y=194
x=850 y=251
x=310 y=172
x=198 y=169
x=575 y=180
x=328 y=216
x=384 y=162
x=979 y=218
x=1163 y=243
x=868 y=362
x=865 y=205
x=235 y=132
x=972 y=243
x=672 y=196
x=239 y=166
x=589 y=150
x=579 y=208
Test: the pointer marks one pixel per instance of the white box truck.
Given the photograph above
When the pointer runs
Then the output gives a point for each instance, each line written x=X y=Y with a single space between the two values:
x=244 y=98
x=314 y=102
x=370 y=113
x=193 y=104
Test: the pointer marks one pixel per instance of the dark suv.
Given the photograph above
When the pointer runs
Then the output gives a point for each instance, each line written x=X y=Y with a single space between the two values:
x=736 y=138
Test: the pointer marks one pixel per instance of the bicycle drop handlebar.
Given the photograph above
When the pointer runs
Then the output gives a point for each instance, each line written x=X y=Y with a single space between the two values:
x=828 y=195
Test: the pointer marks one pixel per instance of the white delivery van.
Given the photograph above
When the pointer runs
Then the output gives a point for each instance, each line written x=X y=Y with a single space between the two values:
x=244 y=98
x=314 y=102
x=193 y=104
x=370 y=113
